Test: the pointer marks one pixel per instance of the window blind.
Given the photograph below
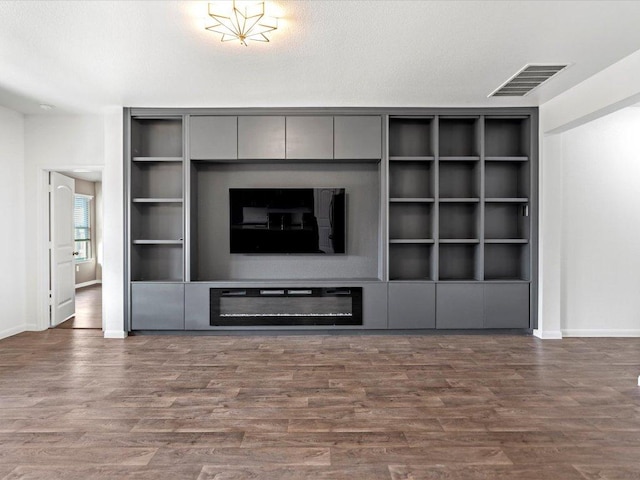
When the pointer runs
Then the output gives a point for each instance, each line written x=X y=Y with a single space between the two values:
x=81 y=219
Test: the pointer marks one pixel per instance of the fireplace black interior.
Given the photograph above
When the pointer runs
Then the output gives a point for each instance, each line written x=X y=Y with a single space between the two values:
x=248 y=307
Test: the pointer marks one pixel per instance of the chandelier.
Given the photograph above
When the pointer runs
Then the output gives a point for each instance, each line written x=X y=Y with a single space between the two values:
x=242 y=23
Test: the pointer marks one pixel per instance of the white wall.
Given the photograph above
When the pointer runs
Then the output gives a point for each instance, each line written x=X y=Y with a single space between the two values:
x=550 y=238
x=610 y=90
x=113 y=226
x=12 y=214
x=63 y=143
x=601 y=227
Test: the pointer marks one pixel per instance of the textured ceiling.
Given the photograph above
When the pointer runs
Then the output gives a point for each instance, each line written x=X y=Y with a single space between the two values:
x=83 y=56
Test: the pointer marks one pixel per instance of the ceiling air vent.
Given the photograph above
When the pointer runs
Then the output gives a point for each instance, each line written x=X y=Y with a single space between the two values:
x=528 y=78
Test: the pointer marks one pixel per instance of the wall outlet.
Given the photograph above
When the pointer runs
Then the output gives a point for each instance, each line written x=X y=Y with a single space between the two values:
x=77 y=268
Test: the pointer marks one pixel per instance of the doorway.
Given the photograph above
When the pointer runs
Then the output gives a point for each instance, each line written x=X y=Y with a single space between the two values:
x=86 y=279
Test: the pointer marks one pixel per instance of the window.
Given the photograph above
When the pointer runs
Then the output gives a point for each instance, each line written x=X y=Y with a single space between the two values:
x=82 y=227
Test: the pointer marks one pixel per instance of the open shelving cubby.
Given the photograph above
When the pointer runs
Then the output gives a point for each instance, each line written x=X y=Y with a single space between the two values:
x=411 y=179
x=411 y=138
x=156 y=179
x=459 y=179
x=459 y=261
x=459 y=221
x=505 y=220
x=156 y=262
x=506 y=261
x=506 y=179
x=410 y=222
x=411 y=261
x=459 y=138
x=156 y=138
x=507 y=137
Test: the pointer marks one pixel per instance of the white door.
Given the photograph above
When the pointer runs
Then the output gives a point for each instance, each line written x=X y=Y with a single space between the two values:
x=63 y=292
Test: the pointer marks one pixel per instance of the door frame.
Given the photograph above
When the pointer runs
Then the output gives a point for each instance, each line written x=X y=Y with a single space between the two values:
x=43 y=264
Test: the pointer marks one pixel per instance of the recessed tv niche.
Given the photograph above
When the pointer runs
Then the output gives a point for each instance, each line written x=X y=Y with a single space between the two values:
x=287 y=220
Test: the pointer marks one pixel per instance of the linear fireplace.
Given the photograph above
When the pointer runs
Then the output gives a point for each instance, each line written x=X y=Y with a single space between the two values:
x=248 y=307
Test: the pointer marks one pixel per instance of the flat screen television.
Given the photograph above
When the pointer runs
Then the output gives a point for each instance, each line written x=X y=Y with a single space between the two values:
x=287 y=220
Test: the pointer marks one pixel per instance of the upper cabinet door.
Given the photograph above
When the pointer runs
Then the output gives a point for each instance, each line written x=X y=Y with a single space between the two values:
x=358 y=137
x=213 y=138
x=310 y=138
x=261 y=137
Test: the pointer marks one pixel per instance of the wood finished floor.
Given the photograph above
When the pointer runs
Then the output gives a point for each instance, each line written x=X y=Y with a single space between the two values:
x=76 y=406
x=88 y=309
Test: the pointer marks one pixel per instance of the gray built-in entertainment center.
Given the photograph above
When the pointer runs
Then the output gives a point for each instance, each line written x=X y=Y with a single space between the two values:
x=440 y=230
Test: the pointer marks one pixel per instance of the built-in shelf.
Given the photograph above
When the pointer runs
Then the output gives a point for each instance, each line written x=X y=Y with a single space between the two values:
x=412 y=240
x=506 y=159
x=506 y=240
x=157 y=242
x=459 y=179
x=506 y=280
x=412 y=159
x=411 y=261
x=459 y=220
x=410 y=221
x=459 y=200
x=157 y=159
x=458 y=193
x=507 y=200
x=411 y=179
x=411 y=137
x=411 y=200
x=506 y=137
x=458 y=280
x=469 y=158
x=506 y=261
x=459 y=240
x=459 y=137
x=459 y=261
x=157 y=203
x=157 y=200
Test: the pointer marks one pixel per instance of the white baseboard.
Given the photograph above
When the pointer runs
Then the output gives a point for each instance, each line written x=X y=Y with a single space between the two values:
x=33 y=327
x=597 y=332
x=12 y=331
x=88 y=284
x=548 y=334
x=115 y=334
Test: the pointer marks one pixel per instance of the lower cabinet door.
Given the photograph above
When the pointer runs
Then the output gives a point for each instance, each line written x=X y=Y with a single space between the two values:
x=506 y=305
x=460 y=306
x=412 y=305
x=157 y=306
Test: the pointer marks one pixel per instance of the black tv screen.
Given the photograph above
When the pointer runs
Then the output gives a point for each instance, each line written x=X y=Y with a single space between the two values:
x=287 y=220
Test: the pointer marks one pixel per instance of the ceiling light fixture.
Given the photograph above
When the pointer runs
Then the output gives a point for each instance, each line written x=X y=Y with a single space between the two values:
x=248 y=23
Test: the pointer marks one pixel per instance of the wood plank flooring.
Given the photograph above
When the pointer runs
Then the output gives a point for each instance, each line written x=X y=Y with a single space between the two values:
x=76 y=406
x=88 y=309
